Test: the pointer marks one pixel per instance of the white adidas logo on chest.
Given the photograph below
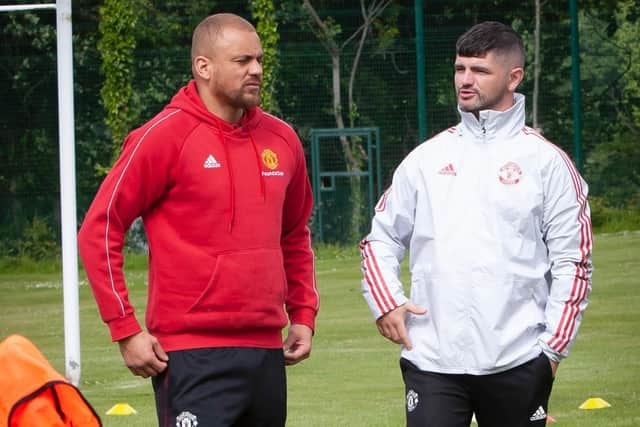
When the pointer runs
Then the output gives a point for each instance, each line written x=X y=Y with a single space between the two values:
x=211 y=162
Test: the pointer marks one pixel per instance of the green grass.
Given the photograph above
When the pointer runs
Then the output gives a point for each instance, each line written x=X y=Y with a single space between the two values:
x=352 y=378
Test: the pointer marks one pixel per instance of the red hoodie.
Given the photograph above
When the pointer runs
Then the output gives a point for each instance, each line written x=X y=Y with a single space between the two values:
x=225 y=209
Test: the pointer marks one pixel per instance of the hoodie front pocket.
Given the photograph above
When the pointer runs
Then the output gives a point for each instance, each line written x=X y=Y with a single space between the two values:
x=245 y=281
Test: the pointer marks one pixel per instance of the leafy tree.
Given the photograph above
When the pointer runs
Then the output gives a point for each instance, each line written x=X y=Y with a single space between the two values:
x=145 y=48
x=328 y=31
x=377 y=84
x=263 y=11
x=118 y=22
x=163 y=48
x=611 y=73
x=29 y=176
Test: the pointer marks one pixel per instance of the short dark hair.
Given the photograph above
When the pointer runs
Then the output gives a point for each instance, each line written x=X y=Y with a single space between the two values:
x=490 y=35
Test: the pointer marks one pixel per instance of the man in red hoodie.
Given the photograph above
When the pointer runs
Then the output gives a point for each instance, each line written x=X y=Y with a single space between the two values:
x=223 y=192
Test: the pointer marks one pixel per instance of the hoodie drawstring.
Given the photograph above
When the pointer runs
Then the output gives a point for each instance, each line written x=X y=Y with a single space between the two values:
x=260 y=177
x=232 y=204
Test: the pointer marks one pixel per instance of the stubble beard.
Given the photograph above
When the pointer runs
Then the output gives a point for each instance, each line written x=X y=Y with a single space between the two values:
x=477 y=103
x=245 y=100
x=481 y=102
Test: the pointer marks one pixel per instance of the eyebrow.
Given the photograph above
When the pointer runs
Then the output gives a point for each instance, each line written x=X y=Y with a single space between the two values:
x=459 y=66
x=247 y=56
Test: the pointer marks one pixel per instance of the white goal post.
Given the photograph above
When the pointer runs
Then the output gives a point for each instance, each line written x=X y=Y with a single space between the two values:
x=66 y=129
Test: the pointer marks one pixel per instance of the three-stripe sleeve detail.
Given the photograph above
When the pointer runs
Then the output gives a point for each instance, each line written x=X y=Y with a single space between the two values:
x=375 y=280
x=580 y=286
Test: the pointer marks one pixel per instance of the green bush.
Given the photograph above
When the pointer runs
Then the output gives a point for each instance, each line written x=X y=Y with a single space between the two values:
x=39 y=241
x=608 y=219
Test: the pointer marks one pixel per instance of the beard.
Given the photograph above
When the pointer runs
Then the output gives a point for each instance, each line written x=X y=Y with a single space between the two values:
x=481 y=101
x=243 y=98
x=248 y=101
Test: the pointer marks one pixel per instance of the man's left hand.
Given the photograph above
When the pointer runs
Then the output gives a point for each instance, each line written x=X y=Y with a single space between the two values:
x=297 y=346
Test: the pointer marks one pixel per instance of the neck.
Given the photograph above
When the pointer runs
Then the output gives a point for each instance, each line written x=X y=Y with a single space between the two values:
x=228 y=114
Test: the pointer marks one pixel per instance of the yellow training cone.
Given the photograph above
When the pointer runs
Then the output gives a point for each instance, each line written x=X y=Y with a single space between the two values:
x=121 y=409
x=595 y=403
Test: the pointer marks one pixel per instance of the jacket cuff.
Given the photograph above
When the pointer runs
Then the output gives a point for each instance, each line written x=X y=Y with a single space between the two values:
x=549 y=352
x=304 y=316
x=376 y=311
x=123 y=327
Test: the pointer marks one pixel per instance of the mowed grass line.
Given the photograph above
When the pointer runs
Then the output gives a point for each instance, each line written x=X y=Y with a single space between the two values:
x=352 y=377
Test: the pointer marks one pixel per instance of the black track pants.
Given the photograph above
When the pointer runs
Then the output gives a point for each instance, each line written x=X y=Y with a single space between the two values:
x=518 y=397
x=222 y=387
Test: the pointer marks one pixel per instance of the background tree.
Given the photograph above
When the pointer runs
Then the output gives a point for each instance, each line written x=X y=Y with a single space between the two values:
x=611 y=76
x=29 y=172
x=118 y=21
x=28 y=148
x=263 y=12
x=328 y=31
x=536 y=65
x=379 y=91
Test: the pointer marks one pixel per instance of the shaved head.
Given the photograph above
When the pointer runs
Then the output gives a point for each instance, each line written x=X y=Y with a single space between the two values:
x=226 y=62
x=208 y=31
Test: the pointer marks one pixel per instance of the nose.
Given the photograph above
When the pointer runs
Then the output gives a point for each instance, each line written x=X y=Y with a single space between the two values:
x=465 y=77
x=256 y=68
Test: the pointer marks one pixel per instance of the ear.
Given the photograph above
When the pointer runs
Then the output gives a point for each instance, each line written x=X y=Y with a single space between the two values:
x=202 y=67
x=515 y=77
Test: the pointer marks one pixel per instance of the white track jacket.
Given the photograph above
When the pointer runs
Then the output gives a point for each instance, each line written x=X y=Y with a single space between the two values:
x=498 y=229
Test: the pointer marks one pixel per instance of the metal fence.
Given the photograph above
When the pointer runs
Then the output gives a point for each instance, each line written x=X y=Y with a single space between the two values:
x=384 y=90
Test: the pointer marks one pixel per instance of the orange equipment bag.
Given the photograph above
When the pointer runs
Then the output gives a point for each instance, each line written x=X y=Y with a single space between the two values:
x=33 y=394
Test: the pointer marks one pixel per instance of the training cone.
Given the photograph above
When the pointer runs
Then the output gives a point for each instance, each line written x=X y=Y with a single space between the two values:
x=595 y=403
x=121 y=409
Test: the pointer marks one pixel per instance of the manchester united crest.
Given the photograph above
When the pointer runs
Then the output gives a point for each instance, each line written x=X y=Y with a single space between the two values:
x=186 y=419
x=412 y=400
x=270 y=159
x=510 y=173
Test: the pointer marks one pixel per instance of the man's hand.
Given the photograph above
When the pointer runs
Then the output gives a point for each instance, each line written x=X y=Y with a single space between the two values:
x=554 y=368
x=143 y=355
x=391 y=325
x=297 y=346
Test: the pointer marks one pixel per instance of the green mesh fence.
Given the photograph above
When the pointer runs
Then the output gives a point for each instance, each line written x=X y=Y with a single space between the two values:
x=384 y=91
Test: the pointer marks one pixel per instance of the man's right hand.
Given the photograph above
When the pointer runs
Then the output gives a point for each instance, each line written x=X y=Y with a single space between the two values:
x=143 y=354
x=391 y=325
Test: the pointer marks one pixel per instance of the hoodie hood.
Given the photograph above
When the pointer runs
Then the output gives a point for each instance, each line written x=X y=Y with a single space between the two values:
x=188 y=100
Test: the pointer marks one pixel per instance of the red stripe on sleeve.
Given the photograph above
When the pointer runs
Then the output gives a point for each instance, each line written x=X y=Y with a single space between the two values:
x=378 y=281
x=571 y=311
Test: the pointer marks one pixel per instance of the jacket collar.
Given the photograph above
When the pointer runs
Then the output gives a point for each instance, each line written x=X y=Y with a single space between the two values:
x=492 y=125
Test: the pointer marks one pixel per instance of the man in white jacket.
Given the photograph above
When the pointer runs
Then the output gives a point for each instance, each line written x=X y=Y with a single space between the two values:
x=497 y=225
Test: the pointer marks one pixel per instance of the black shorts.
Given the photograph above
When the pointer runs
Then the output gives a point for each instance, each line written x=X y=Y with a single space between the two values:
x=518 y=397
x=216 y=387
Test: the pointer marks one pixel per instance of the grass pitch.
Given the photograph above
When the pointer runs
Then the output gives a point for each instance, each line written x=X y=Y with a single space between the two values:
x=352 y=378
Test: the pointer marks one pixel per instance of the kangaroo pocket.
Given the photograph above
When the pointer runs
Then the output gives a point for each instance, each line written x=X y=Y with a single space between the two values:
x=246 y=291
